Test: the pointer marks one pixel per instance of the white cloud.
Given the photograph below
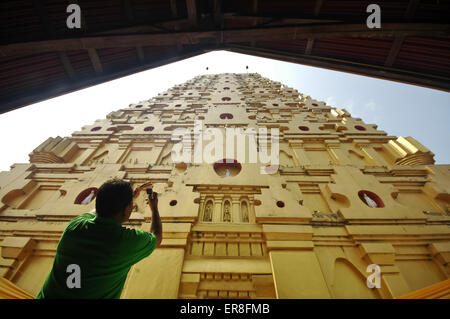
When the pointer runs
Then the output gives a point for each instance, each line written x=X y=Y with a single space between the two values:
x=349 y=106
x=331 y=101
x=371 y=105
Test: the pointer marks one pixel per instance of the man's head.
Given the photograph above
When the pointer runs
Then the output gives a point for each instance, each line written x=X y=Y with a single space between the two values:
x=115 y=200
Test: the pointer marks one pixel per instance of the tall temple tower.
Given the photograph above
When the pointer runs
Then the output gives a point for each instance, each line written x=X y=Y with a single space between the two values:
x=344 y=196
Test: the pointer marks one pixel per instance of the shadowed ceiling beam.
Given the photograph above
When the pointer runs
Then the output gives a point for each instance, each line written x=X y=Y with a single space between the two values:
x=393 y=52
x=217 y=13
x=130 y=17
x=173 y=8
x=191 y=6
x=95 y=59
x=310 y=43
x=255 y=21
x=92 y=52
x=67 y=65
x=392 y=74
x=398 y=40
x=65 y=61
x=229 y=36
x=35 y=96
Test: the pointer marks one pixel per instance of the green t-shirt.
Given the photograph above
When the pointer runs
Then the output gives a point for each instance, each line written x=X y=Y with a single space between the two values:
x=104 y=252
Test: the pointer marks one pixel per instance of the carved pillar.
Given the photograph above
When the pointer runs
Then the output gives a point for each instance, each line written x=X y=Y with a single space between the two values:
x=217 y=213
x=236 y=209
x=201 y=207
x=251 y=209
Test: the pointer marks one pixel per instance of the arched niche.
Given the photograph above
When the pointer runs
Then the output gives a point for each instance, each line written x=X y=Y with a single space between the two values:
x=208 y=210
x=227 y=167
x=224 y=116
x=245 y=210
x=227 y=211
x=86 y=196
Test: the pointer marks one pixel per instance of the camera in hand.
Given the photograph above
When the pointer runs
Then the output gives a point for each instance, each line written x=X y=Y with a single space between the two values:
x=149 y=190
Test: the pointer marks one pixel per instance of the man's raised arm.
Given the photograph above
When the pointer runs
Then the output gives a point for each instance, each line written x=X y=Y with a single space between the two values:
x=156 y=225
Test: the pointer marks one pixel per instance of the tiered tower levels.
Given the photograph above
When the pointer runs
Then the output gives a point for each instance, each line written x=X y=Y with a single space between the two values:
x=304 y=231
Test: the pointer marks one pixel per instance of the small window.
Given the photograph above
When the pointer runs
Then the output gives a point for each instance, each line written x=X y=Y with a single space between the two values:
x=224 y=116
x=370 y=199
x=226 y=99
x=280 y=204
x=360 y=128
x=97 y=128
x=227 y=167
x=149 y=129
x=303 y=128
x=173 y=202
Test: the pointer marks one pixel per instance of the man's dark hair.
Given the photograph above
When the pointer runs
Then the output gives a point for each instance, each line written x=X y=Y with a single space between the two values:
x=112 y=197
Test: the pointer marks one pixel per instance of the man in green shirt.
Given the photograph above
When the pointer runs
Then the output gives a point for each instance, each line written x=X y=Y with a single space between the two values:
x=95 y=253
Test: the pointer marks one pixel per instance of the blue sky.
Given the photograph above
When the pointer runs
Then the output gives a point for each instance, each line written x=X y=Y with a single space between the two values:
x=398 y=109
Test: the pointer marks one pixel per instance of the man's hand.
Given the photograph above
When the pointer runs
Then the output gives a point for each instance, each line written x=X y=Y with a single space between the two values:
x=156 y=225
x=153 y=201
x=140 y=188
